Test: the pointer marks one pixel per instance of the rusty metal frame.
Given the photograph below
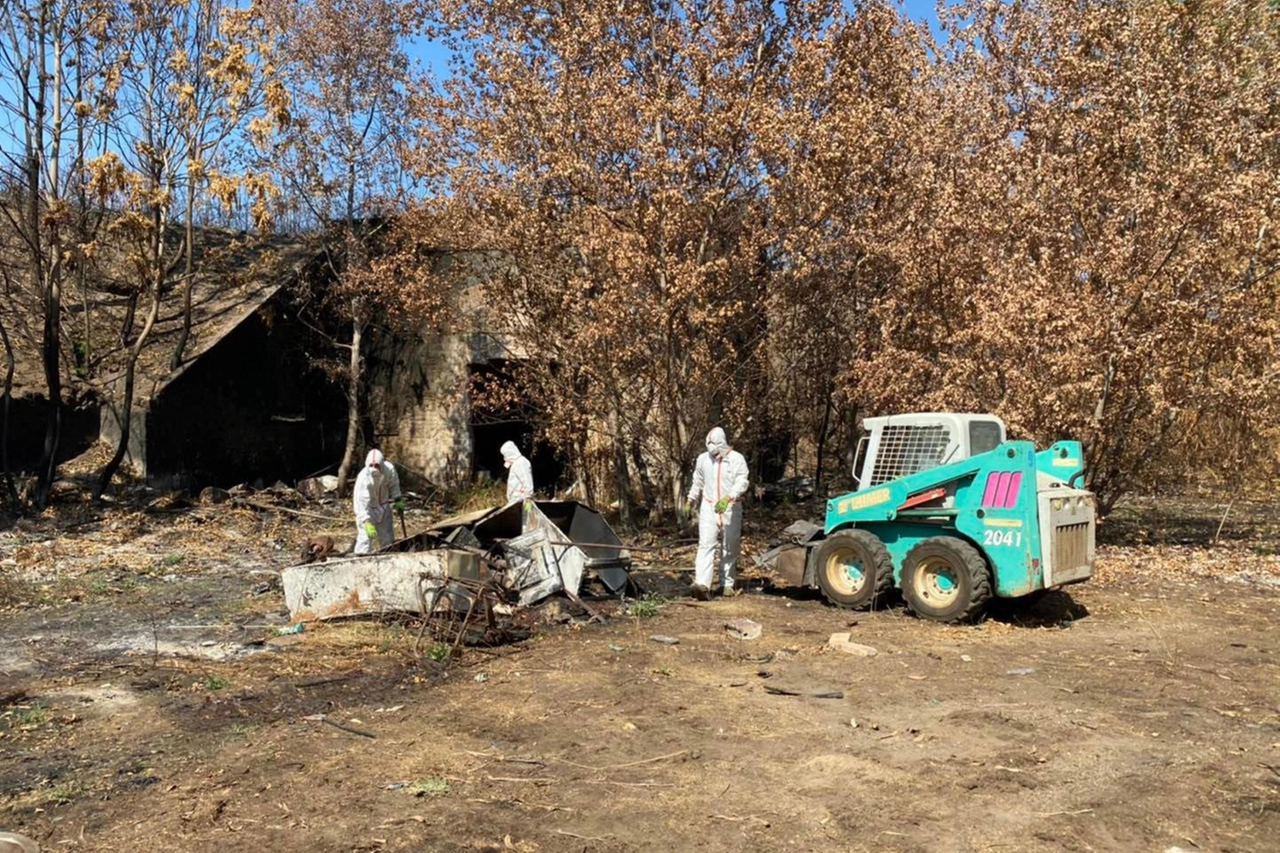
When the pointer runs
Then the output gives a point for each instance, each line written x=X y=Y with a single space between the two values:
x=482 y=595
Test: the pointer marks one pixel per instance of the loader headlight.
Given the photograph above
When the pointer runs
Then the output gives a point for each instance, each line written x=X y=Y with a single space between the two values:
x=1056 y=503
x=1079 y=502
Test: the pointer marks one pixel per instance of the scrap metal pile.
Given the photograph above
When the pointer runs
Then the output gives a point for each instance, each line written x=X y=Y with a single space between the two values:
x=470 y=578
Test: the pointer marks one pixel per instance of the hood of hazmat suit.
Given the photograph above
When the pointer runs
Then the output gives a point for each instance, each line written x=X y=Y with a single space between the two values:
x=373 y=464
x=510 y=453
x=717 y=444
x=520 y=476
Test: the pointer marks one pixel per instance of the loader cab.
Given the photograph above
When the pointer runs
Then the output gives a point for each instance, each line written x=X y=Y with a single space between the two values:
x=899 y=445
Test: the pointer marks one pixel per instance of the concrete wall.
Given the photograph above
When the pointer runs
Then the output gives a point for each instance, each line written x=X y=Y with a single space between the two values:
x=419 y=406
x=135 y=455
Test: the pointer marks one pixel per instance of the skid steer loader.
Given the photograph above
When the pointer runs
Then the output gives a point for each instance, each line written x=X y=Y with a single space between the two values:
x=951 y=513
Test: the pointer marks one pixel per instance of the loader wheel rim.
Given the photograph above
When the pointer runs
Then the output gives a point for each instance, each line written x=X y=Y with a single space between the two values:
x=844 y=571
x=938 y=583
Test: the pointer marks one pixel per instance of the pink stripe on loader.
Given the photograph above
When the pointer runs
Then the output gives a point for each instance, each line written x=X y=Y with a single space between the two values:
x=989 y=495
x=1015 y=485
x=1002 y=489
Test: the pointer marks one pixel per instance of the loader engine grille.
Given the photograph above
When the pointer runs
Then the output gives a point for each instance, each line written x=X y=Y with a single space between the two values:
x=907 y=450
x=1070 y=548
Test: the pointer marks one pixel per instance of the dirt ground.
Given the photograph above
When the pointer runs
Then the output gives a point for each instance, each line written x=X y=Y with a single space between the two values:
x=147 y=704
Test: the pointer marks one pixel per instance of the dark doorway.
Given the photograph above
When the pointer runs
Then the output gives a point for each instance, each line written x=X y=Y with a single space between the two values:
x=498 y=415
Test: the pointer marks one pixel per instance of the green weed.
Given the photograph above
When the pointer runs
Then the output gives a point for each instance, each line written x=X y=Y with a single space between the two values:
x=645 y=609
x=65 y=792
x=32 y=717
x=433 y=787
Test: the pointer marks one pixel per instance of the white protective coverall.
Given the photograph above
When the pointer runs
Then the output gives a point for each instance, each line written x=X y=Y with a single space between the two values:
x=520 y=473
x=377 y=488
x=721 y=472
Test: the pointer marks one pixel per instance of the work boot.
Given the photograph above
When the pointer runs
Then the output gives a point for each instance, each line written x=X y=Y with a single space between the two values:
x=732 y=592
x=699 y=592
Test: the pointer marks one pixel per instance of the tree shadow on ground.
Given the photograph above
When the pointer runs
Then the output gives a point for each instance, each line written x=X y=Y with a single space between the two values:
x=766 y=586
x=1050 y=608
x=1193 y=520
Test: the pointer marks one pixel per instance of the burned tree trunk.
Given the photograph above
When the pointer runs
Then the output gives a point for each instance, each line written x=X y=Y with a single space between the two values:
x=10 y=490
x=621 y=471
x=125 y=414
x=822 y=441
x=130 y=314
x=356 y=371
x=188 y=278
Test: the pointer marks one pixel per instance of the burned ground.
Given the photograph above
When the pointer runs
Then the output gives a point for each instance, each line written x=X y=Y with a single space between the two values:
x=149 y=704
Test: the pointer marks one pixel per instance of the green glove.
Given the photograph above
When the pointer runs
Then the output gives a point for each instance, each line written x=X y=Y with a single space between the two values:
x=688 y=509
x=722 y=505
x=398 y=506
x=370 y=530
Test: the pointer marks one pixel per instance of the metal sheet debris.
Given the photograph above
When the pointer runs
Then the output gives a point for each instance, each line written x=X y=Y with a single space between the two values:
x=530 y=550
x=579 y=540
x=368 y=585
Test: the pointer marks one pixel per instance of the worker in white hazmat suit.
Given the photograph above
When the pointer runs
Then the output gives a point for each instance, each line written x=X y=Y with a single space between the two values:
x=720 y=481
x=519 y=474
x=376 y=499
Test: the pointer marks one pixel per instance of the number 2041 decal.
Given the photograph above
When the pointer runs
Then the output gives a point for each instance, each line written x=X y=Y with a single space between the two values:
x=1005 y=538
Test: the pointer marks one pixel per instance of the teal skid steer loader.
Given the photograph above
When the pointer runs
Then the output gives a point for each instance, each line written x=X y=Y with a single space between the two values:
x=951 y=513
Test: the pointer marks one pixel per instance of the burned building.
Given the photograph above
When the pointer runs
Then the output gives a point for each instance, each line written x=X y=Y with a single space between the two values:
x=424 y=412
x=259 y=394
x=246 y=408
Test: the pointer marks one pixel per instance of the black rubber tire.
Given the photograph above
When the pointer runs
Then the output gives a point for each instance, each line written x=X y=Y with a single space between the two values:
x=867 y=549
x=973 y=580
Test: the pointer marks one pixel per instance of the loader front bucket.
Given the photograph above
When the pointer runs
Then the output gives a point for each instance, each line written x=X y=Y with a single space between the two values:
x=788 y=557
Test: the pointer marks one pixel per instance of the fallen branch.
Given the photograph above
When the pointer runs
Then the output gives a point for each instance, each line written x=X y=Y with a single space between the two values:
x=534 y=780
x=583 y=837
x=1056 y=814
x=735 y=819
x=1218 y=533
x=79 y=524
x=321 y=718
x=782 y=691
x=622 y=766
x=392 y=821
x=508 y=759
x=334 y=679
x=519 y=802
x=270 y=508
x=639 y=784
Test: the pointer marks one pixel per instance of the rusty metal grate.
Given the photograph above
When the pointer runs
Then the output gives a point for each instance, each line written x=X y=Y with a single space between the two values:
x=1070 y=547
x=909 y=449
